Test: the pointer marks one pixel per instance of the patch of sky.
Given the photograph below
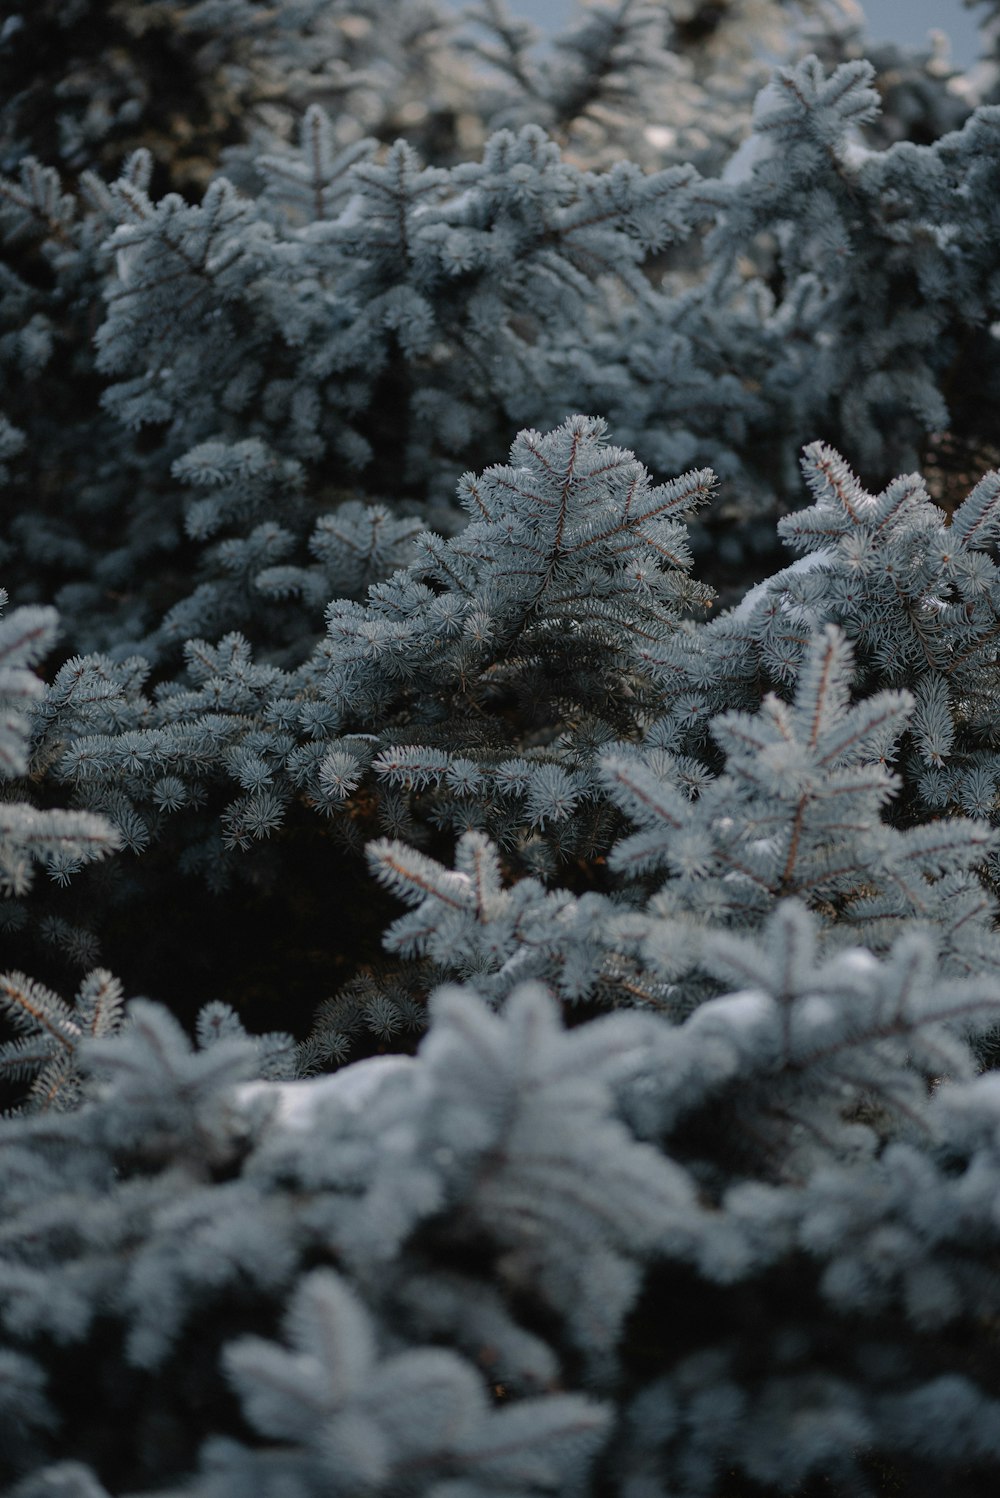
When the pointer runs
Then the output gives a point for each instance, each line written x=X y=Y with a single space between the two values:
x=905 y=21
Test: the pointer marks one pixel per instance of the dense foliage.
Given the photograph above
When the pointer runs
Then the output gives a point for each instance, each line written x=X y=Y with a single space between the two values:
x=557 y=853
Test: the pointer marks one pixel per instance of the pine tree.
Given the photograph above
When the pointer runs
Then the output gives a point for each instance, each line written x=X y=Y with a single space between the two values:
x=564 y=922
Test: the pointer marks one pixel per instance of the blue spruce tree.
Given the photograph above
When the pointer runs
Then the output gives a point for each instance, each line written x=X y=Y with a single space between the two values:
x=555 y=854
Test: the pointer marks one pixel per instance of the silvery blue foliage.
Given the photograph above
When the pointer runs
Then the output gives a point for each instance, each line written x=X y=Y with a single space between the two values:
x=591 y=578
x=914 y=590
x=572 y=562
x=577 y=1075
x=798 y=811
x=48 y=1053
x=61 y=841
x=279 y=318
x=402 y=256
x=354 y=1422
x=514 y=1166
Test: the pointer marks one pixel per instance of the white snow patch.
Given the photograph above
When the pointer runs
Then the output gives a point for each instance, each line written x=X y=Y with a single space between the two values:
x=744 y=609
x=295 y=1105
